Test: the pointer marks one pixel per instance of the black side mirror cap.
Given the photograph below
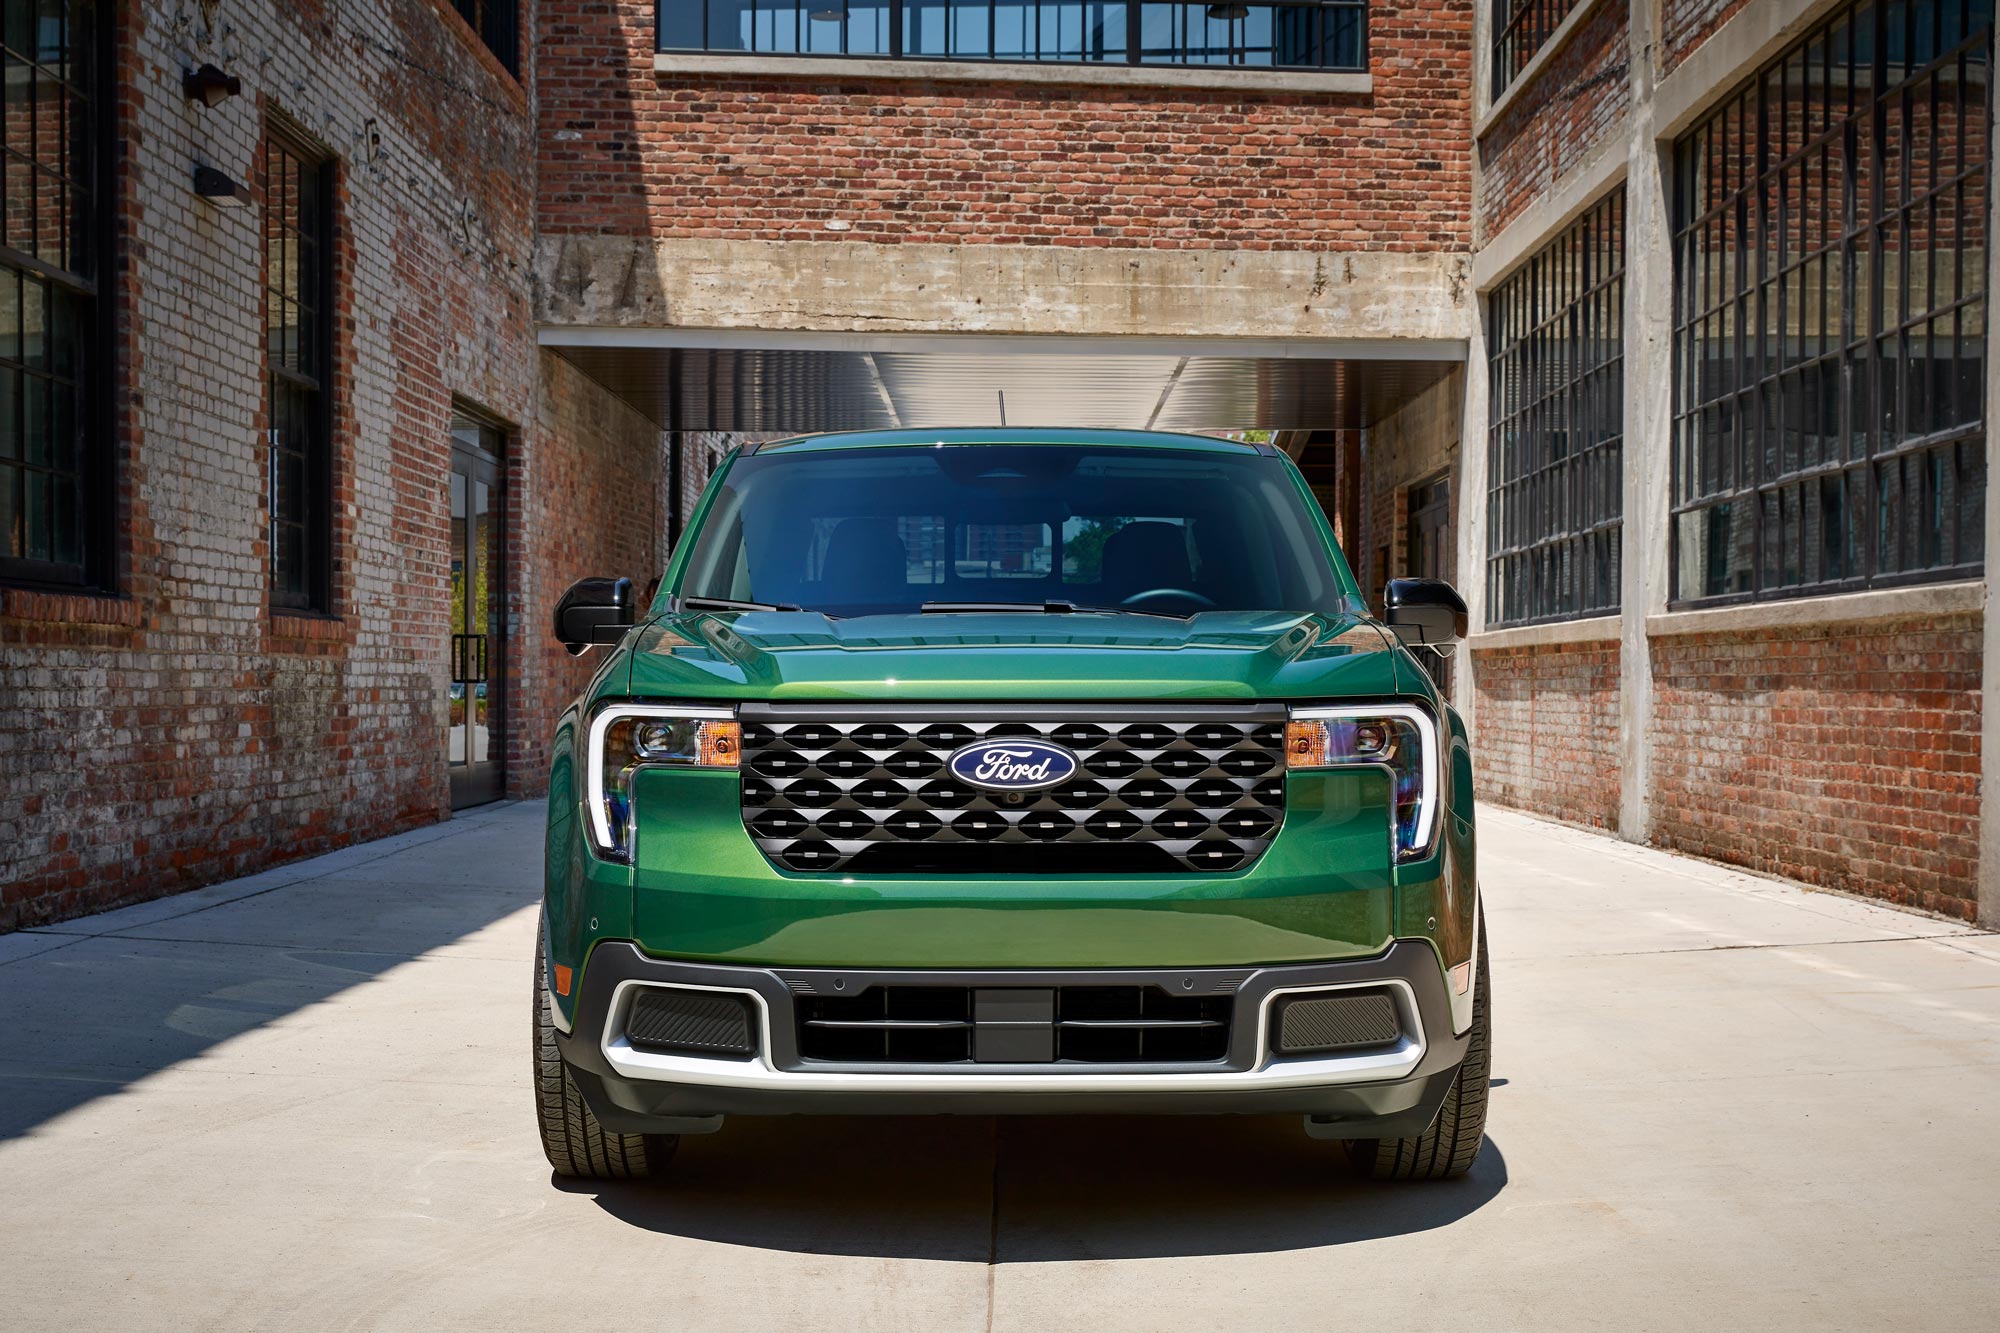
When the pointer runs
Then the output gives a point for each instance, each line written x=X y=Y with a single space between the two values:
x=1426 y=611
x=594 y=612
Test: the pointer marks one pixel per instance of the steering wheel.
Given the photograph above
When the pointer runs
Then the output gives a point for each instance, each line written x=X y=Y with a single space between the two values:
x=1140 y=599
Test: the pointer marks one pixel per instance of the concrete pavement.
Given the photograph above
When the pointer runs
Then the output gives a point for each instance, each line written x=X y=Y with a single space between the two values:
x=300 y=1101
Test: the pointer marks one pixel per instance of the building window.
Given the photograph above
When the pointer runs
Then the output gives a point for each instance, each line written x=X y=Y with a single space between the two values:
x=1555 y=502
x=1830 y=313
x=1521 y=28
x=55 y=474
x=498 y=23
x=1319 y=34
x=298 y=292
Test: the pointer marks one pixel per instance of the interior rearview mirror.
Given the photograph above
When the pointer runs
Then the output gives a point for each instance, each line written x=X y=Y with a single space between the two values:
x=594 y=612
x=1424 y=611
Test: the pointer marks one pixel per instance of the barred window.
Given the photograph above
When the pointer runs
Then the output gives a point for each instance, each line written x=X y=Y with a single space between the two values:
x=1555 y=501
x=1830 y=311
x=298 y=290
x=498 y=23
x=1287 y=34
x=1520 y=29
x=55 y=476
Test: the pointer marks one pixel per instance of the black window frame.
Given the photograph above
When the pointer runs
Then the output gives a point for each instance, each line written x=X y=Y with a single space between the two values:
x=1820 y=517
x=1555 y=489
x=1521 y=28
x=498 y=26
x=314 y=592
x=84 y=286
x=1133 y=54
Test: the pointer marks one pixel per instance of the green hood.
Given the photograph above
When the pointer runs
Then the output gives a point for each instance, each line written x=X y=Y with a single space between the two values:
x=803 y=655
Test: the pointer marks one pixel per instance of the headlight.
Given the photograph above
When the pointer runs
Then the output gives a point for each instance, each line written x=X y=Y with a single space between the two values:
x=1398 y=737
x=625 y=738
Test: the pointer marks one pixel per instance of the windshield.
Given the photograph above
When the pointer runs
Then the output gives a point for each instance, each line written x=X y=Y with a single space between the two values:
x=895 y=530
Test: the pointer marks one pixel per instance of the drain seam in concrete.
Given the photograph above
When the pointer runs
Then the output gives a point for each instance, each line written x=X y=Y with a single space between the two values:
x=77 y=936
x=1669 y=862
x=294 y=948
x=993 y=1225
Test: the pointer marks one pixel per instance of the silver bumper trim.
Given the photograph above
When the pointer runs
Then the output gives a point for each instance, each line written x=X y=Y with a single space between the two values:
x=759 y=1073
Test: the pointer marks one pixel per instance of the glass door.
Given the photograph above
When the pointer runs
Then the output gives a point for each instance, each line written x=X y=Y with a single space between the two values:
x=473 y=752
x=1431 y=556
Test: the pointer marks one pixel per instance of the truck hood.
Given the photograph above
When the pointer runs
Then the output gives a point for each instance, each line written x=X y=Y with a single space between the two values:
x=803 y=655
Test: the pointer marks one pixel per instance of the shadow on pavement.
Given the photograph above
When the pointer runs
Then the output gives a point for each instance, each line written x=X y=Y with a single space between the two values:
x=98 y=1012
x=1030 y=1189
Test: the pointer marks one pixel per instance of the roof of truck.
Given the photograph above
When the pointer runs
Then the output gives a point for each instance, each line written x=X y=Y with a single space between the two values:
x=1130 y=439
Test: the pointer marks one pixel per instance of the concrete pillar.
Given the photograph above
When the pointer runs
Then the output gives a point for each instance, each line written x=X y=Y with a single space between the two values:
x=1470 y=484
x=1989 y=666
x=1649 y=362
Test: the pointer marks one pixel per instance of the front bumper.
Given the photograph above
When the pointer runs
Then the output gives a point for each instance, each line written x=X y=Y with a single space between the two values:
x=1383 y=1092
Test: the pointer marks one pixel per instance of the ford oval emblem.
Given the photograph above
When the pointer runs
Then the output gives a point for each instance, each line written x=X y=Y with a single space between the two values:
x=1012 y=763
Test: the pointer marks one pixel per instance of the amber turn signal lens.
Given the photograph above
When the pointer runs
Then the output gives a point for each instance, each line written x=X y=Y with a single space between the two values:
x=562 y=979
x=1305 y=744
x=721 y=744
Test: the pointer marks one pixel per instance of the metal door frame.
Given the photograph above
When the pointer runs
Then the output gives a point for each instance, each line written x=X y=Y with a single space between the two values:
x=473 y=658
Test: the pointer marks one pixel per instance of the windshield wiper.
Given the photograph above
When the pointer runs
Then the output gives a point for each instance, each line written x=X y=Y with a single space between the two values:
x=1046 y=609
x=730 y=604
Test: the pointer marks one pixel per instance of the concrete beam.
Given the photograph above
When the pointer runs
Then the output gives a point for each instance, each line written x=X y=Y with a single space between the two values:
x=1713 y=70
x=1923 y=601
x=708 y=66
x=1568 y=199
x=849 y=286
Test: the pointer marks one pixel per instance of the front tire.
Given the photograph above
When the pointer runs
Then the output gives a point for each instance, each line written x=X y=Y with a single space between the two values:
x=1447 y=1150
x=577 y=1146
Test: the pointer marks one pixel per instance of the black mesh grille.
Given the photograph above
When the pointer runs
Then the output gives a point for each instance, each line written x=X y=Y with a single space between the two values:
x=1161 y=791
x=687 y=1020
x=1141 y=1024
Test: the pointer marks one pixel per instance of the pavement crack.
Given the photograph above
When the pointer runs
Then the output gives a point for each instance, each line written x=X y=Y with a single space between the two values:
x=1785 y=944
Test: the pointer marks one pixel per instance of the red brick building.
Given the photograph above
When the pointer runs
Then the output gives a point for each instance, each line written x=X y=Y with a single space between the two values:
x=285 y=475
x=1556 y=298
x=1734 y=379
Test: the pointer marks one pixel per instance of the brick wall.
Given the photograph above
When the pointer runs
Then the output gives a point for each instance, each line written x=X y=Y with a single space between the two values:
x=1842 y=755
x=630 y=152
x=599 y=508
x=176 y=732
x=1552 y=125
x=1547 y=721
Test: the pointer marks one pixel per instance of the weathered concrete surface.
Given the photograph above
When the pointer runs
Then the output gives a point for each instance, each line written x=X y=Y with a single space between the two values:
x=300 y=1102
x=851 y=286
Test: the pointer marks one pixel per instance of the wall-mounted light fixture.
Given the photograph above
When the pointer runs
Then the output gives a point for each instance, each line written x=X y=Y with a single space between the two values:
x=219 y=189
x=209 y=85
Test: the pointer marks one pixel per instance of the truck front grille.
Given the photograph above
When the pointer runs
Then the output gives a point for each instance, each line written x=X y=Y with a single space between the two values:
x=923 y=1024
x=1158 y=789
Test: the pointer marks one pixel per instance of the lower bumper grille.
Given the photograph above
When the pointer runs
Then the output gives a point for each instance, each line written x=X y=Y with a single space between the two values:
x=1141 y=1024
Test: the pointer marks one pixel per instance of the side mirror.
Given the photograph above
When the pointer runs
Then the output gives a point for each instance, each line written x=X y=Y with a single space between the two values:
x=594 y=612
x=1426 y=611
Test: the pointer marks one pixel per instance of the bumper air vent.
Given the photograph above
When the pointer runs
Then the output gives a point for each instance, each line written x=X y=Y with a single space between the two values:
x=691 y=1021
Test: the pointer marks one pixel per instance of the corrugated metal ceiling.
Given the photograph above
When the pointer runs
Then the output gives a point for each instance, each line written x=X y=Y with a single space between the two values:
x=796 y=389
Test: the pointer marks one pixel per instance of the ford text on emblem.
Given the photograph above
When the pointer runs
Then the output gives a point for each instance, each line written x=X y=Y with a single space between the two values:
x=1013 y=764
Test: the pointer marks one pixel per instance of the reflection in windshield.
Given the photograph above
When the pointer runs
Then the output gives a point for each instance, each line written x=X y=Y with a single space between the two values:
x=873 y=531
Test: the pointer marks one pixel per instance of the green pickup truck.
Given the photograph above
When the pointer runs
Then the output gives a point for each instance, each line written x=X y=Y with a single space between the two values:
x=1010 y=772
